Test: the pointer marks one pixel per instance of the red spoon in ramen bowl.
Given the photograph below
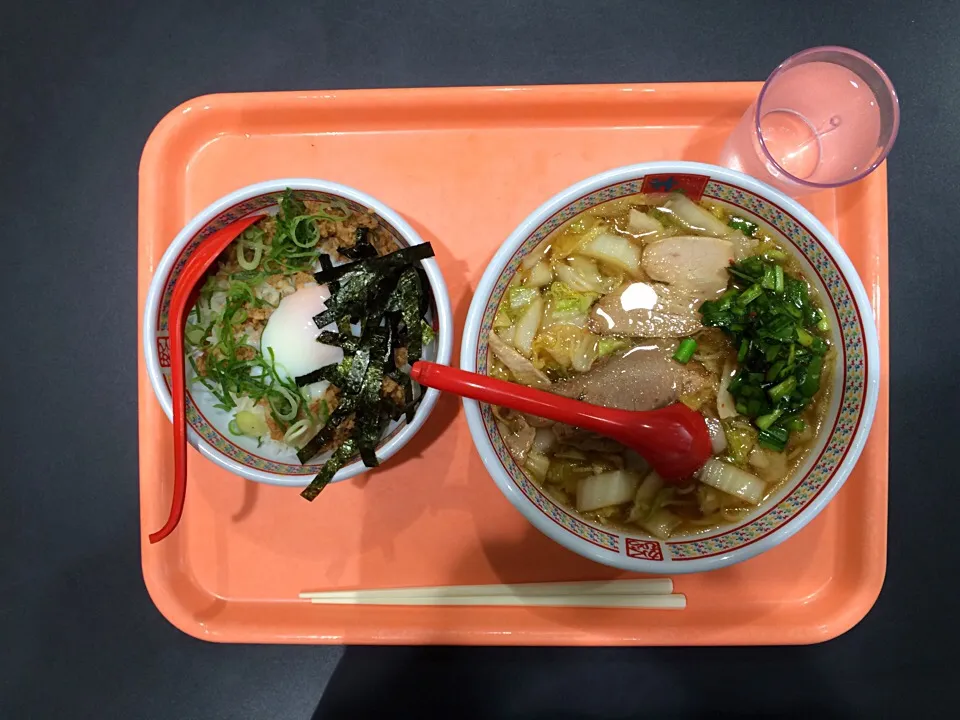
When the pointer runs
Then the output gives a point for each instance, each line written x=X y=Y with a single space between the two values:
x=674 y=439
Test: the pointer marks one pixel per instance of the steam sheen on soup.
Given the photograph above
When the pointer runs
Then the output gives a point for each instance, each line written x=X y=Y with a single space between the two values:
x=646 y=301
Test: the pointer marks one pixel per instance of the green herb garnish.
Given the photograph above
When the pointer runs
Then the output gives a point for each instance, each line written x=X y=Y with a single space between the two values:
x=685 y=351
x=778 y=333
x=743 y=225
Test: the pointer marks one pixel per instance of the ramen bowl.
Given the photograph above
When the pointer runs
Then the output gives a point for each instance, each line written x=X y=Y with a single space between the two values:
x=208 y=424
x=850 y=403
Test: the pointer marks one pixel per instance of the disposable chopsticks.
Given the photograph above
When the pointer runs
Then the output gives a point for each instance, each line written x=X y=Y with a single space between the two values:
x=656 y=593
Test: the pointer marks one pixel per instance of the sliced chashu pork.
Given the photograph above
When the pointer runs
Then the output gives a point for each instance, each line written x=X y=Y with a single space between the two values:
x=522 y=369
x=690 y=269
x=643 y=378
x=647 y=309
x=691 y=263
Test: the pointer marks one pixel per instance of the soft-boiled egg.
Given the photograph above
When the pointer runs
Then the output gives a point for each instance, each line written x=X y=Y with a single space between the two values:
x=292 y=334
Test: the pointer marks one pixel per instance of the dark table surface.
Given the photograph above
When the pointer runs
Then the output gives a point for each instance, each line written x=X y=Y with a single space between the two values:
x=81 y=86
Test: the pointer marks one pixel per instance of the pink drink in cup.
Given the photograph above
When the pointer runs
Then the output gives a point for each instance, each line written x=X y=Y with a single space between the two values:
x=826 y=117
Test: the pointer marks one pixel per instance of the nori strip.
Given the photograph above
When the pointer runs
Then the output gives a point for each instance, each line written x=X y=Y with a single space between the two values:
x=409 y=291
x=339 y=458
x=349 y=343
x=355 y=291
x=424 y=297
x=320 y=440
x=396 y=259
x=368 y=406
x=333 y=374
x=327 y=264
x=362 y=249
x=358 y=370
x=408 y=394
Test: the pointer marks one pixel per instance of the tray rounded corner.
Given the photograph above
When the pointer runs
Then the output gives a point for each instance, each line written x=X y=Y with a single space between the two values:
x=174 y=612
x=168 y=126
x=848 y=616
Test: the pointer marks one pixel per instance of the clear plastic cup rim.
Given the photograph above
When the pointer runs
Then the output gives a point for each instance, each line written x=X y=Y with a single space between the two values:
x=880 y=73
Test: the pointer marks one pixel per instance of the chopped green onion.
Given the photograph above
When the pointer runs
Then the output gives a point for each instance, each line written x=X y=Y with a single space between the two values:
x=296 y=430
x=778 y=283
x=804 y=338
x=686 y=350
x=742 y=352
x=293 y=403
x=774 y=372
x=750 y=294
x=745 y=226
x=774 y=438
x=769 y=277
x=796 y=424
x=194 y=334
x=765 y=421
x=253 y=262
x=818 y=346
x=233 y=427
x=783 y=389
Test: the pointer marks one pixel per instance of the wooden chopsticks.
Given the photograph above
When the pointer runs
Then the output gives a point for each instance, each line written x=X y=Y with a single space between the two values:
x=655 y=593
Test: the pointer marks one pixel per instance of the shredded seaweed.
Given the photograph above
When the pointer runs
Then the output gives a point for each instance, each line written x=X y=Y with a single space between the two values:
x=348 y=342
x=387 y=297
x=362 y=248
x=340 y=457
x=397 y=259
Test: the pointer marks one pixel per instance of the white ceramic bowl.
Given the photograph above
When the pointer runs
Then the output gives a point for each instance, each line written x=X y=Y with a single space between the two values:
x=208 y=426
x=847 y=422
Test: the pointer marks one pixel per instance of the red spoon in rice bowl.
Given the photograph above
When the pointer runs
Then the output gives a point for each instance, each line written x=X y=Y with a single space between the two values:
x=674 y=439
x=186 y=291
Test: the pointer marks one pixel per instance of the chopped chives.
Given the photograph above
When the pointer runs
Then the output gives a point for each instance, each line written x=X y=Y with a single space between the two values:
x=779 y=336
x=774 y=438
x=769 y=277
x=686 y=350
x=804 y=338
x=781 y=390
x=750 y=294
x=774 y=372
x=765 y=421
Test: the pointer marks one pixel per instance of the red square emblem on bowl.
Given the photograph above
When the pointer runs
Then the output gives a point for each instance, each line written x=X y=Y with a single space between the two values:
x=690 y=185
x=644 y=549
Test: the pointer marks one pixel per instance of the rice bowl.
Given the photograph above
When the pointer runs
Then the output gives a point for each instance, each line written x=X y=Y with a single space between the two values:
x=265 y=453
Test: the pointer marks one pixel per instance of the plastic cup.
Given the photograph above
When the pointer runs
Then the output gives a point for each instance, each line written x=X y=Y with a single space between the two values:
x=825 y=117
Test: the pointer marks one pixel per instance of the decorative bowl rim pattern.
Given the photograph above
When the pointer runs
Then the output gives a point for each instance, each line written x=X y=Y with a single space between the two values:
x=202 y=434
x=856 y=382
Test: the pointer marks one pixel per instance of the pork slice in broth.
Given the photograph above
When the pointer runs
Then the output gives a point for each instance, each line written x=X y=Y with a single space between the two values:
x=648 y=309
x=522 y=369
x=643 y=378
x=692 y=263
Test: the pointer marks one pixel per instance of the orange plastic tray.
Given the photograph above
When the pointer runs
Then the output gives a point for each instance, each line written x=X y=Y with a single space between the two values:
x=465 y=166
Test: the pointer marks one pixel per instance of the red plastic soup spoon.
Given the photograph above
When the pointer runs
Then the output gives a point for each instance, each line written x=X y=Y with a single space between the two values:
x=184 y=297
x=674 y=439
